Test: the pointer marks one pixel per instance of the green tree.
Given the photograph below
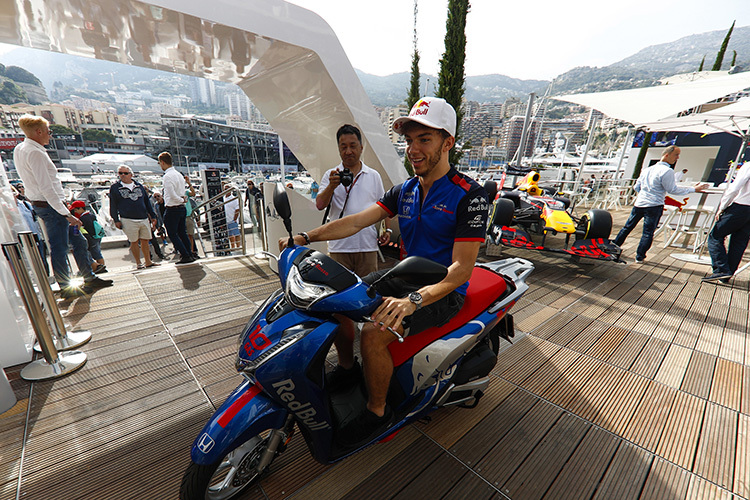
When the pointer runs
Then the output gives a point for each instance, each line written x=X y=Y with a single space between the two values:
x=700 y=68
x=413 y=94
x=21 y=75
x=642 y=155
x=451 y=77
x=722 y=50
x=58 y=129
x=734 y=58
x=98 y=135
x=10 y=93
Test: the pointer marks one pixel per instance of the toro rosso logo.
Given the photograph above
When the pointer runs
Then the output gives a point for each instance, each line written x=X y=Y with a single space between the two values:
x=304 y=411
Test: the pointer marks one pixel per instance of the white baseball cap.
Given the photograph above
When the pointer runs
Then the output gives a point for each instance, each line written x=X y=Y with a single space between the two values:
x=432 y=112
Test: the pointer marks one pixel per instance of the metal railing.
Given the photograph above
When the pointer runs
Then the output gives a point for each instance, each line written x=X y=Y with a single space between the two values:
x=212 y=225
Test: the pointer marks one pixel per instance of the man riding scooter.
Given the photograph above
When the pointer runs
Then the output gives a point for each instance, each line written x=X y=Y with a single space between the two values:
x=442 y=215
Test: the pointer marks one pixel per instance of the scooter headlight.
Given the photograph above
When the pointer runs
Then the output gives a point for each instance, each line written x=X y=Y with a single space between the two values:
x=302 y=294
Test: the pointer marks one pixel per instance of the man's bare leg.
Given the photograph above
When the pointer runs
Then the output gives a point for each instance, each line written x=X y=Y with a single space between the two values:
x=344 y=341
x=136 y=251
x=146 y=252
x=378 y=366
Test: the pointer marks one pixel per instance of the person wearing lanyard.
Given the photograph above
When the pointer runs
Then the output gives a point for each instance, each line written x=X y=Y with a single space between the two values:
x=359 y=252
x=44 y=191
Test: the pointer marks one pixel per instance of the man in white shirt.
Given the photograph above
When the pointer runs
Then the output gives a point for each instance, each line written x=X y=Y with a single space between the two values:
x=733 y=220
x=44 y=191
x=361 y=188
x=652 y=187
x=232 y=213
x=678 y=176
x=173 y=191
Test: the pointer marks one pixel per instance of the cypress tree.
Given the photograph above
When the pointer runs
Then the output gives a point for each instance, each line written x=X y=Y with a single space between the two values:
x=722 y=50
x=642 y=155
x=451 y=77
x=700 y=68
x=734 y=58
x=413 y=94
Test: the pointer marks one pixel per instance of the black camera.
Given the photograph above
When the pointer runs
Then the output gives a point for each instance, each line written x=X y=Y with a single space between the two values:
x=346 y=177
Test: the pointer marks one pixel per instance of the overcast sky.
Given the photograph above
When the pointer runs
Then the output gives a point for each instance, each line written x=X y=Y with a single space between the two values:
x=521 y=39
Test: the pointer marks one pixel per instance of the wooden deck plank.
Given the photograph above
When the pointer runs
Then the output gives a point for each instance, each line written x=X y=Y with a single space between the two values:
x=682 y=430
x=699 y=375
x=732 y=345
x=624 y=399
x=582 y=473
x=646 y=426
x=700 y=489
x=742 y=458
x=500 y=462
x=628 y=350
x=650 y=358
x=726 y=389
x=539 y=470
x=484 y=436
x=672 y=370
x=449 y=425
x=626 y=474
x=665 y=481
x=716 y=449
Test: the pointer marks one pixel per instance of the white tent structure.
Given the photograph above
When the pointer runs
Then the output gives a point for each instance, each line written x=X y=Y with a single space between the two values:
x=731 y=119
x=110 y=161
x=651 y=104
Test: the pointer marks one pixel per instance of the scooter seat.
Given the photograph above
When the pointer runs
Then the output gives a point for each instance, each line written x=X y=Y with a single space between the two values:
x=484 y=288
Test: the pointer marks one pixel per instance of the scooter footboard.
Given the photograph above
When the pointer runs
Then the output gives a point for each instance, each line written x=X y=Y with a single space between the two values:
x=245 y=413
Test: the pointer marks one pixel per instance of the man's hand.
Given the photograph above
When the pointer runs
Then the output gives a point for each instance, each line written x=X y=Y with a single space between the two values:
x=384 y=238
x=118 y=225
x=73 y=220
x=392 y=312
x=701 y=187
x=298 y=240
x=334 y=179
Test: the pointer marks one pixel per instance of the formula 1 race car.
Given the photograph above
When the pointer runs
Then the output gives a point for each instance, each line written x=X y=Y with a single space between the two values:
x=536 y=210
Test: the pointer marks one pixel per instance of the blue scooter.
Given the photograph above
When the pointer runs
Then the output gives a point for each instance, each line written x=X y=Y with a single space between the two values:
x=282 y=356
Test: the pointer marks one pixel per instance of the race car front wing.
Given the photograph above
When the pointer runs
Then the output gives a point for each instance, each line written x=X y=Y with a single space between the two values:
x=593 y=248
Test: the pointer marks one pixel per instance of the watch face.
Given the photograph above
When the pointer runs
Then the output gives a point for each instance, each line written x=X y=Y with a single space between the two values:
x=416 y=298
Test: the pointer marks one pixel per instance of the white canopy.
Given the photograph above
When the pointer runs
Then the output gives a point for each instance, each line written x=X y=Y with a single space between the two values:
x=732 y=118
x=655 y=103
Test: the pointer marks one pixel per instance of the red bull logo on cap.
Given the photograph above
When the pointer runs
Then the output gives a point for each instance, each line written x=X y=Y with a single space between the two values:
x=420 y=108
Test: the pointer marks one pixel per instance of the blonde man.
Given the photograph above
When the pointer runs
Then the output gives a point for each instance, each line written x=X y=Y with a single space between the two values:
x=44 y=191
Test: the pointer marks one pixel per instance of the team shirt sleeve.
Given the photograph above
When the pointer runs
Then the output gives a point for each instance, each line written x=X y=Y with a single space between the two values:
x=389 y=201
x=471 y=215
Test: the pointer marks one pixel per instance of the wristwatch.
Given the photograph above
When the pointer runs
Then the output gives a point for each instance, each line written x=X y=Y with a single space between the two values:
x=416 y=299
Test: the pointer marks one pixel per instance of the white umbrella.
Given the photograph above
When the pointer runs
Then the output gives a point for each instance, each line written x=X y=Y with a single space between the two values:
x=732 y=119
x=650 y=104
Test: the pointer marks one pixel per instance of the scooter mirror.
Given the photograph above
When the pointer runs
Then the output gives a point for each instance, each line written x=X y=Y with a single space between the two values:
x=281 y=204
x=418 y=271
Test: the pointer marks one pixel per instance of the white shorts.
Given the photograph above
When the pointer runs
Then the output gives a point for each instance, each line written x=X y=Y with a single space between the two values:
x=136 y=229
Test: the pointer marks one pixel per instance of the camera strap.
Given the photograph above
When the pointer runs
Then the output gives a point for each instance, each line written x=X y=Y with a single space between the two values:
x=348 y=192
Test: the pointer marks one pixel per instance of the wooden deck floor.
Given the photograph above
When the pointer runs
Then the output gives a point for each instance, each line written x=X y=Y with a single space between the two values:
x=631 y=381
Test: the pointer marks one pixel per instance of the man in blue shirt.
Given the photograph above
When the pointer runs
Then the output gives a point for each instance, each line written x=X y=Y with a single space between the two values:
x=652 y=187
x=442 y=215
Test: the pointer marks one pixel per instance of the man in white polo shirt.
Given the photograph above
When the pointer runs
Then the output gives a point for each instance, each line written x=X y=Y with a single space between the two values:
x=349 y=188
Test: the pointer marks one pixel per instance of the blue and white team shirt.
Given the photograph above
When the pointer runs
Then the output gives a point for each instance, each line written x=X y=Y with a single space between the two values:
x=454 y=210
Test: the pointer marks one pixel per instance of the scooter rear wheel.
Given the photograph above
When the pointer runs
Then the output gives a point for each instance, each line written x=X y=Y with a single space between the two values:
x=229 y=476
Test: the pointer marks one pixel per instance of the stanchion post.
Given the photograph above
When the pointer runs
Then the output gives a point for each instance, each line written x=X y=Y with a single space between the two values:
x=64 y=340
x=54 y=364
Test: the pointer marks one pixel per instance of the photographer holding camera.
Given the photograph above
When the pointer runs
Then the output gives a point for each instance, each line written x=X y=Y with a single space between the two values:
x=348 y=189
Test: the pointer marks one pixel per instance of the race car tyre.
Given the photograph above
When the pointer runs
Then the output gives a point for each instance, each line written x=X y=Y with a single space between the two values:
x=513 y=196
x=564 y=200
x=502 y=212
x=596 y=224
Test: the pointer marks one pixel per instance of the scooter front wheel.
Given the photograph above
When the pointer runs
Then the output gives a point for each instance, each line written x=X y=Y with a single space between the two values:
x=226 y=478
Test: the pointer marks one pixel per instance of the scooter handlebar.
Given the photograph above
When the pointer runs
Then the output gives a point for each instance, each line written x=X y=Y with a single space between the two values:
x=394 y=332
